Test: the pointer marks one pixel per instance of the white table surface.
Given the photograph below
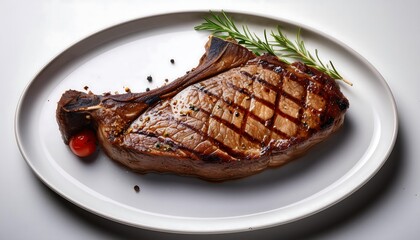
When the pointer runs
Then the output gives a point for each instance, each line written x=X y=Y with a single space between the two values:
x=386 y=33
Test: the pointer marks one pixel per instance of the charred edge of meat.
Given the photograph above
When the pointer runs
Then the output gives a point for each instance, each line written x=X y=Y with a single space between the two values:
x=73 y=112
x=212 y=158
x=152 y=100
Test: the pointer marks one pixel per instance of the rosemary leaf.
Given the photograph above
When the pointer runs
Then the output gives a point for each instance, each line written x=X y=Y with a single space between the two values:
x=224 y=27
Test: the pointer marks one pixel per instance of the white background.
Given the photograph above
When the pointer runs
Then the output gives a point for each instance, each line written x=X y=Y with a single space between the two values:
x=385 y=32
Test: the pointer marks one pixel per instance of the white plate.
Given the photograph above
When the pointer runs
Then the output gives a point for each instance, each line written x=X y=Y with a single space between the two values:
x=123 y=56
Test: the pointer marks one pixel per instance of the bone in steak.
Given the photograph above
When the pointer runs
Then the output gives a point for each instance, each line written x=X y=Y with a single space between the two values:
x=232 y=116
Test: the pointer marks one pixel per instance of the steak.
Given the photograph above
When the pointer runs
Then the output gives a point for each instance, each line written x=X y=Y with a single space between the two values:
x=232 y=116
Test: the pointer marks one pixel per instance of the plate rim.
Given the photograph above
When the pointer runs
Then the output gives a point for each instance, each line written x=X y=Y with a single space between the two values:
x=182 y=229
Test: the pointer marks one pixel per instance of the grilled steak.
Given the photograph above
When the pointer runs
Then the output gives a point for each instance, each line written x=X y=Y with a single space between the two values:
x=232 y=116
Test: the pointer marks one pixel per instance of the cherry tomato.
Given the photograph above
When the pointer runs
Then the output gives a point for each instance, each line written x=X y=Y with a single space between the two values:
x=83 y=144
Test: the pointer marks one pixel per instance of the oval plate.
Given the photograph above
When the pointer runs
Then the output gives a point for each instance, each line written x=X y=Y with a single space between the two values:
x=124 y=56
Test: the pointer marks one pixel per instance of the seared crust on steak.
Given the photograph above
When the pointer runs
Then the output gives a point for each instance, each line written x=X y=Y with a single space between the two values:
x=232 y=116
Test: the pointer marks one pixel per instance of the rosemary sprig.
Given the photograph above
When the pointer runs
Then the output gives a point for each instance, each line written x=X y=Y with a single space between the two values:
x=298 y=50
x=224 y=27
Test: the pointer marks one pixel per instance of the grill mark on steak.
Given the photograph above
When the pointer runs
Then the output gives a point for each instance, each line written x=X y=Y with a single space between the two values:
x=269 y=124
x=204 y=135
x=247 y=114
x=214 y=141
x=272 y=87
x=279 y=91
x=232 y=127
x=228 y=124
x=245 y=91
x=285 y=115
x=276 y=111
x=306 y=83
x=174 y=145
